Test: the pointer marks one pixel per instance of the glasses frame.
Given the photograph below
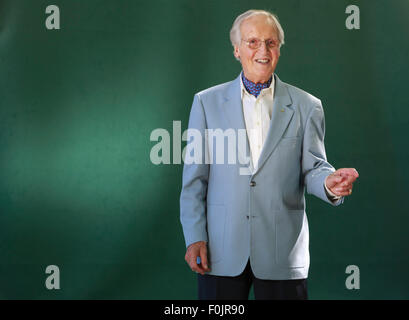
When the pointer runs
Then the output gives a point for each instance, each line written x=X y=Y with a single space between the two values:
x=247 y=41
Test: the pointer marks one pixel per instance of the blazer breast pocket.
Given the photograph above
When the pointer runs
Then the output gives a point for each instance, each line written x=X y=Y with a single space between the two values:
x=291 y=142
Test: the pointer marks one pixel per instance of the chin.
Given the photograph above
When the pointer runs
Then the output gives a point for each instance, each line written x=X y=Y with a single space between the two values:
x=266 y=73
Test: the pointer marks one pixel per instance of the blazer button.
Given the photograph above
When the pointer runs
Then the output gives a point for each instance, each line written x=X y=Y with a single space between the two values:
x=252 y=184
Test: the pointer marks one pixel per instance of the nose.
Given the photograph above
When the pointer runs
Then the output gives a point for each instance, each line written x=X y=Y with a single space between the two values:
x=263 y=47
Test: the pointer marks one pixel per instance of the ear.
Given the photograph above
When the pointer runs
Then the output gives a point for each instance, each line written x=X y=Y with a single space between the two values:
x=236 y=52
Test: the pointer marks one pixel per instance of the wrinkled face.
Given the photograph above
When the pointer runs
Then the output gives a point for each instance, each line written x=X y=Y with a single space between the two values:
x=258 y=64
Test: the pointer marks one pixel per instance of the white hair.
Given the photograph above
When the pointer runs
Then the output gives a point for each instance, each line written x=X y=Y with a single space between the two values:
x=235 y=34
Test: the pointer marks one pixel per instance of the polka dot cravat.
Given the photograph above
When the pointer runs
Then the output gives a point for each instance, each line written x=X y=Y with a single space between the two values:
x=255 y=88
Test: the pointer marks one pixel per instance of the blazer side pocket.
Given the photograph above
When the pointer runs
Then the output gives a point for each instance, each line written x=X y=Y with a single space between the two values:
x=292 y=239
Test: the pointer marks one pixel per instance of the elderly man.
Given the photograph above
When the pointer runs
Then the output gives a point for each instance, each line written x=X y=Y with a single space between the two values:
x=252 y=229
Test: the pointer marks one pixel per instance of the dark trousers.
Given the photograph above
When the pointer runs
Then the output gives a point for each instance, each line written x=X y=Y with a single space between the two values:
x=238 y=288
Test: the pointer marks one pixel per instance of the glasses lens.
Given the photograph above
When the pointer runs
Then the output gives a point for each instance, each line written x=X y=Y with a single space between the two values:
x=254 y=43
x=271 y=43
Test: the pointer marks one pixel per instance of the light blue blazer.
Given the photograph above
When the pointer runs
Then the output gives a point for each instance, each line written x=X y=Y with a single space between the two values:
x=260 y=216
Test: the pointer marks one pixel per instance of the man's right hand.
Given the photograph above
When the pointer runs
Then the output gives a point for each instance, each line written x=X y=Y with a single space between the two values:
x=197 y=249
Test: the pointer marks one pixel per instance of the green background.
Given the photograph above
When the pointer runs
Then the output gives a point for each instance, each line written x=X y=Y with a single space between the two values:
x=77 y=106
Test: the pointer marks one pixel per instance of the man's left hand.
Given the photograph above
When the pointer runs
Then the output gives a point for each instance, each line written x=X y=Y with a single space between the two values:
x=340 y=182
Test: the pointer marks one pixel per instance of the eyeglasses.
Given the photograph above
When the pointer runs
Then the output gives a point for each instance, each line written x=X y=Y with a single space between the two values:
x=254 y=43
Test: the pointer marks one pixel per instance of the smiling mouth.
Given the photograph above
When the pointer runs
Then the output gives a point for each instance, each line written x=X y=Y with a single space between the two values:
x=263 y=61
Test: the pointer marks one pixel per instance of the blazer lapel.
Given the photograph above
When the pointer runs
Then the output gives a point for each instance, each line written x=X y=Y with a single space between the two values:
x=280 y=118
x=233 y=111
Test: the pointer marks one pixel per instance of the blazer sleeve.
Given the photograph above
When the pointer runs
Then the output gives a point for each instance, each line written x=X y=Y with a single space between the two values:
x=194 y=181
x=315 y=167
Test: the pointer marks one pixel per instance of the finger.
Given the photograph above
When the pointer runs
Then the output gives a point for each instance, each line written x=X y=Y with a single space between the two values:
x=203 y=258
x=340 y=190
x=343 y=192
x=348 y=172
x=348 y=181
x=196 y=267
x=334 y=180
x=191 y=259
x=337 y=178
x=337 y=173
x=341 y=187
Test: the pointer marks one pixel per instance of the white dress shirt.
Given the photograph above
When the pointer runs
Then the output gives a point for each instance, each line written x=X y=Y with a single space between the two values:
x=257 y=115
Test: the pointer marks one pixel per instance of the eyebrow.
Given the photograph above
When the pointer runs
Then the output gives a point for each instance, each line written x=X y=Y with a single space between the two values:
x=259 y=38
x=273 y=39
